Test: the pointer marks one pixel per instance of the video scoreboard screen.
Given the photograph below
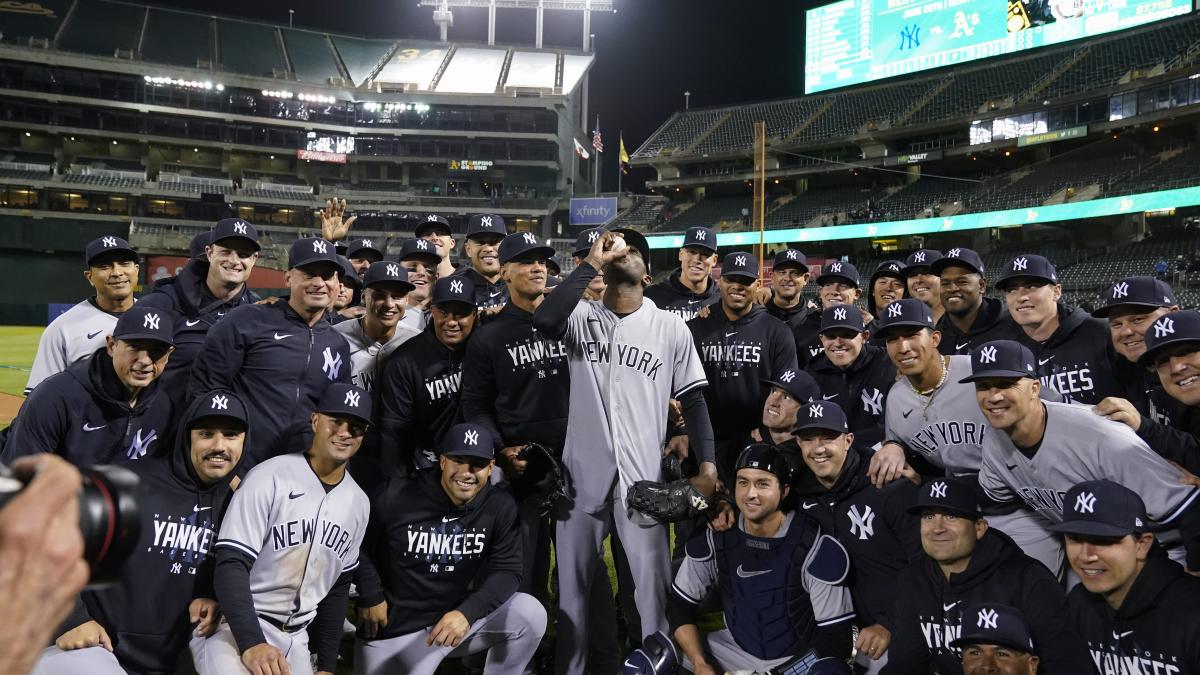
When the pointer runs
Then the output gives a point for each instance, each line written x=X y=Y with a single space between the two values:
x=856 y=41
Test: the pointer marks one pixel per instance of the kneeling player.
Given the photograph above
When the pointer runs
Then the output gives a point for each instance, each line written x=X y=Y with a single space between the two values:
x=779 y=577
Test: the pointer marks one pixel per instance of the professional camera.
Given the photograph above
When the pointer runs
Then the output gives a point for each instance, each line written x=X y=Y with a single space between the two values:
x=108 y=517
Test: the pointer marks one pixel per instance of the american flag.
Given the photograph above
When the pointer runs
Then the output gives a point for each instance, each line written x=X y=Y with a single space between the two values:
x=597 y=144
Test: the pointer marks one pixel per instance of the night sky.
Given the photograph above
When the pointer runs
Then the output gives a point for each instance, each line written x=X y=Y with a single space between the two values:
x=648 y=53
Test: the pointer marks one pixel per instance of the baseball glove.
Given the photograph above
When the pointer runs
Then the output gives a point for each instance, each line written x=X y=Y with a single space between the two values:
x=546 y=480
x=667 y=502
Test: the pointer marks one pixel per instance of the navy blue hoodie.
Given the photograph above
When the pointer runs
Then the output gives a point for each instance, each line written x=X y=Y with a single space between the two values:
x=83 y=414
x=670 y=294
x=991 y=323
x=1078 y=359
x=860 y=389
x=487 y=294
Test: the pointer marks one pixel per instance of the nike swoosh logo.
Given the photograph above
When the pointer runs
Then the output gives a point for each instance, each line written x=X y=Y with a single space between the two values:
x=280 y=337
x=958 y=347
x=492 y=295
x=1042 y=362
x=1122 y=635
x=729 y=335
x=947 y=608
x=446 y=519
x=809 y=505
x=87 y=427
x=828 y=398
x=189 y=324
x=905 y=415
x=746 y=575
x=92 y=335
x=692 y=302
x=198 y=508
x=293 y=495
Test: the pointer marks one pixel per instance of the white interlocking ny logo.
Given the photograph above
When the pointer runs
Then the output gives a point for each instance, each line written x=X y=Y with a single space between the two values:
x=873 y=402
x=150 y=321
x=422 y=244
x=1164 y=326
x=220 y=402
x=938 y=490
x=593 y=236
x=919 y=256
x=393 y=270
x=987 y=619
x=471 y=437
x=456 y=286
x=141 y=444
x=529 y=238
x=817 y=410
x=1085 y=503
x=894 y=267
x=987 y=355
x=485 y=221
x=1020 y=264
x=351 y=399
x=1121 y=290
x=319 y=246
x=333 y=364
x=788 y=375
x=239 y=227
x=792 y=255
x=895 y=310
x=367 y=243
x=954 y=252
x=700 y=234
x=835 y=267
x=839 y=314
x=431 y=218
x=862 y=524
x=109 y=242
x=740 y=261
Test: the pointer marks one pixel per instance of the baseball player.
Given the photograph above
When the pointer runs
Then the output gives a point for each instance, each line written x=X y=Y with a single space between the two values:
x=279 y=357
x=790 y=391
x=420 y=260
x=345 y=301
x=287 y=548
x=441 y=566
x=1043 y=448
x=836 y=285
x=886 y=286
x=484 y=233
x=997 y=641
x=106 y=409
x=970 y=316
x=143 y=622
x=691 y=287
x=849 y=366
x=198 y=246
x=1133 y=606
x=419 y=384
x=436 y=230
x=583 y=244
x=789 y=276
x=922 y=282
x=202 y=293
x=1074 y=352
x=361 y=253
x=374 y=337
x=111 y=267
x=966 y=562
x=872 y=524
x=627 y=360
x=780 y=577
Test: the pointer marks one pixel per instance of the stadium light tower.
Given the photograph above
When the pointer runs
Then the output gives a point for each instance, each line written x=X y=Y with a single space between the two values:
x=443 y=14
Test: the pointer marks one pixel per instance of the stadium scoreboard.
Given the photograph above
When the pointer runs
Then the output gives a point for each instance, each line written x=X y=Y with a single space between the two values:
x=856 y=41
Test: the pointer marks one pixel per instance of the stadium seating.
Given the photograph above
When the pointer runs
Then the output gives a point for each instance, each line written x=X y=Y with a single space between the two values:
x=311 y=58
x=646 y=212
x=736 y=132
x=250 y=48
x=969 y=91
x=680 y=131
x=177 y=38
x=1107 y=62
x=711 y=211
x=102 y=28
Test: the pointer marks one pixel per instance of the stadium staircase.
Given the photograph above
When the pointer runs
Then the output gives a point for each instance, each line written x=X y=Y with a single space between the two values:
x=1066 y=65
x=703 y=136
x=799 y=131
x=926 y=100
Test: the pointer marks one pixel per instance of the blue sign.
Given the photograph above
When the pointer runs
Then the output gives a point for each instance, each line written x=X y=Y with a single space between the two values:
x=593 y=211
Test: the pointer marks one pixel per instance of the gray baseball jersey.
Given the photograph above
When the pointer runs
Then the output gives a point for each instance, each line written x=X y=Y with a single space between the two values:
x=415 y=318
x=624 y=370
x=74 y=335
x=948 y=430
x=366 y=354
x=301 y=537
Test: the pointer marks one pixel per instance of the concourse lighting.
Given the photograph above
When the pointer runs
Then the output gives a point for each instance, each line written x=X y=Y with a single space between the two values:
x=316 y=98
x=199 y=85
x=273 y=93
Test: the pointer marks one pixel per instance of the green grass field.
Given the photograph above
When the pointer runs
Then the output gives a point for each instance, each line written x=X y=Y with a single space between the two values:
x=18 y=345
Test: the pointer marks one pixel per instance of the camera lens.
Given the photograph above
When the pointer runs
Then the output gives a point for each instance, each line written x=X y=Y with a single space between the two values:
x=108 y=520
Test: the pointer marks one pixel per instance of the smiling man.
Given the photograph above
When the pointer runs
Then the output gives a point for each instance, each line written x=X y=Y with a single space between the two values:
x=836 y=285
x=886 y=286
x=922 y=282
x=436 y=230
x=691 y=287
x=790 y=390
x=484 y=234
x=998 y=642
x=789 y=275
x=420 y=261
x=378 y=333
x=970 y=316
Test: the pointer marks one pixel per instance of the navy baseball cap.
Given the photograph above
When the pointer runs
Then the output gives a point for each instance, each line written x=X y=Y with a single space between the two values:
x=824 y=415
x=1028 y=265
x=918 y=259
x=455 y=288
x=235 y=228
x=347 y=273
x=311 y=250
x=523 y=243
x=218 y=403
x=386 y=272
x=1136 y=292
x=1170 y=329
x=842 y=316
x=959 y=257
x=583 y=243
x=790 y=257
x=905 y=312
x=553 y=266
x=740 y=264
x=196 y=249
x=420 y=248
x=1000 y=358
x=468 y=440
x=109 y=245
x=700 y=237
x=433 y=223
x=797 y=383
x=363 y=248
x=1102 y=508
x=955 y=495
x=765 y=457
x=485 y=223
x=345 y=400
x=991 y=623
x=888 y=268
x=638 y=241
x=839 y=271
x=142 y=322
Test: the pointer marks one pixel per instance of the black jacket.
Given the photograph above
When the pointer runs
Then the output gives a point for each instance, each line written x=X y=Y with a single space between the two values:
x=1078 y=359
x=738 y=356
x=487 y=294
x=426 y=556
x=278 y=365
x=83 y=415
x=992 y=323
x=1156 y=627
x=670 y=294
x=1178 y=441
x=875 y=528
x=928 y=610
x=146 y=612
x=416 y=402
x=860 y=390
x=804 y=322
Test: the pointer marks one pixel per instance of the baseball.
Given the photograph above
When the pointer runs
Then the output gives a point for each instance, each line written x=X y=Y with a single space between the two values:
x=618 y=245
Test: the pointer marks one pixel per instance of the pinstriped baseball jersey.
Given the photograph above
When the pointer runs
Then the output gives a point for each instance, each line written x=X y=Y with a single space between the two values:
x=950 y=432
x=300 y=537
x=73 y=335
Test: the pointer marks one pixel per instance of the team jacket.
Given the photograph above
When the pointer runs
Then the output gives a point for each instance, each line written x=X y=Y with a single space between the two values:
x=427 y=557
x=1077 y=360
x=670 y=294
x=804 y=322
x=737 y=356
x=860 y=389
x=874 y=527
x=487 y=294
x=927 y=610
x=194 y=311
x=83 y=415
x=992 y=323
x=1155 y=630
x=519 y=383
x=417 y=402
x=1178 y=441
x=278 y=365
x=146 y=611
